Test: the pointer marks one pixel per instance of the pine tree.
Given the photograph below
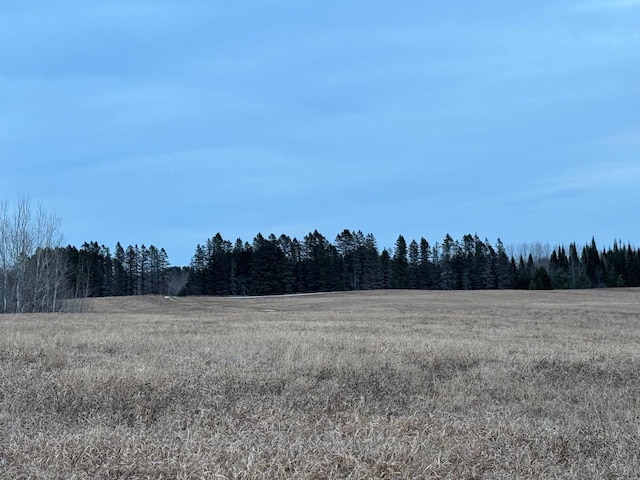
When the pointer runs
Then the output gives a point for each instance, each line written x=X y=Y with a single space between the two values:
x=577 y=273
x=322 y=266
x=119 y=275
x=143 y=270
x=414 y=265
x=132 y=254
x=465 y=258
x=489 y=266
x=425 y=274
x=218 y=265
x=540 y=280
x=400 y=265
x=524 y=273
x=447 y=274
x=385 y=264
x=243 y=262
x=197 y=271
x=107 y=269
x=291 y=254
x=504 y=271
x=594 y=269
x=348 y=250
x=372 y=276
x=268 y=266
x=158 y=264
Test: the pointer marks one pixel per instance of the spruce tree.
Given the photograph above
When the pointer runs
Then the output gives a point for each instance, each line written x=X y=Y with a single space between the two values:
x=414 y=265
x=385 y=264
x=119 y=275
x=425 y=273
x=400 y=265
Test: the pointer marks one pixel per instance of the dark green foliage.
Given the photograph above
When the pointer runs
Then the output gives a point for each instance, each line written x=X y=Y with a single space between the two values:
x=89 y=270
x=119 y=276
x=541 y=280
x=400 y=265
x=449 y=265
x=269 y=266
x=322 y=266
x=92 y=271
x=504 y=268
x=524 y=274
x=284 y=265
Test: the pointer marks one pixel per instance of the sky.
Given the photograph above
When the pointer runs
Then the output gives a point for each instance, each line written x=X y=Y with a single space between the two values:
x=161 y=122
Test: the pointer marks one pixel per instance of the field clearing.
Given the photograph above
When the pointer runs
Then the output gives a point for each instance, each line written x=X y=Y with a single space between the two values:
x=386 y=384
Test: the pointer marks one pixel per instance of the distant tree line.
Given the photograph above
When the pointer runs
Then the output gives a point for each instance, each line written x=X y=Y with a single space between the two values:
x=281 y=265
x=37 y=273
x=92 y=271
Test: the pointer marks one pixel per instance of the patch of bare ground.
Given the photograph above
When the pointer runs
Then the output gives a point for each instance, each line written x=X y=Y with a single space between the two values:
x=352 y=385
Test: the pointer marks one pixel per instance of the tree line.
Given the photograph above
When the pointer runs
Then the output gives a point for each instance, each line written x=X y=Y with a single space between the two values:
x=37 y=273
x=282 y=265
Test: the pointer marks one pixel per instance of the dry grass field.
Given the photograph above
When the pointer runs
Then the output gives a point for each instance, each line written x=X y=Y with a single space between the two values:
x=491 y=384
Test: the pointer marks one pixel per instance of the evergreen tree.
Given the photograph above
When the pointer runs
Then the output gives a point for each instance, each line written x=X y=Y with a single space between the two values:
x=385 y=264
x=632 y=267
x=132 y=254
x=292 y=256
x=593 y=267
x=559 y=268
x=322 y=266
x=489 y=265
x=196 y=283
x=447 y=275
x=218 y=252
x=400 y=265
x=524 y=273
x=158 y=265
x=143 y=270
x=505 y=277
x=119 y=275
x=347 y=248
x=91 y=271
x=268 y=266
x=414 y=265
x=243 y=267
x=107 y=269
x=372 y=276
x=540 y=280
x=465 y=259
x=614 y=265
x=577 y=272
x=425 y=273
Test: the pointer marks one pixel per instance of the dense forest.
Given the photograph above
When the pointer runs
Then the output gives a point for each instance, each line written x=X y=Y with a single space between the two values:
x=280 y=265
x=38 y=273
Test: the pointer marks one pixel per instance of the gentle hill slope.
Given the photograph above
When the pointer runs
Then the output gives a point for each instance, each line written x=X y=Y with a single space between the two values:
x=397 y=301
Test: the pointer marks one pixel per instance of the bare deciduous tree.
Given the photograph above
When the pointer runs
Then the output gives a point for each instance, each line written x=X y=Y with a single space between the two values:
x=30 y=259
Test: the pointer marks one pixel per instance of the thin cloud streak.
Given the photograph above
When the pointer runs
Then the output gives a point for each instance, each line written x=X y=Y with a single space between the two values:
x=606 y=5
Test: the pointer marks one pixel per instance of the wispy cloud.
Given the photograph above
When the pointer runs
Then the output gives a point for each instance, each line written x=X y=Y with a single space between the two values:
x=630 y=138
x=620 y=175
x=586 y=182
x=606 y=5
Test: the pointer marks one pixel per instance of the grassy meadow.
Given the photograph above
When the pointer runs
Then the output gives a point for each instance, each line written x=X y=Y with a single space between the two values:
x=392 y=384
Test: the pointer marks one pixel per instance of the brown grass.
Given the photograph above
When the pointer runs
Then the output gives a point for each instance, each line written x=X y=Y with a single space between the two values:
x=355 y=385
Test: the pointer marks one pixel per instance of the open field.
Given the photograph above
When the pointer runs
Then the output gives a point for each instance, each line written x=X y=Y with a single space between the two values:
x=393 y=384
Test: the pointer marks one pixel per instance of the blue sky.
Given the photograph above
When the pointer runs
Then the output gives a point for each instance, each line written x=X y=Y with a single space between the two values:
x=162 y=122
